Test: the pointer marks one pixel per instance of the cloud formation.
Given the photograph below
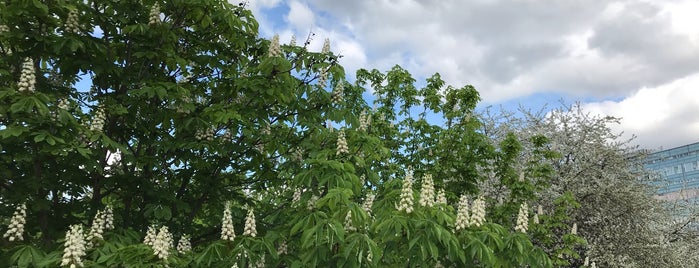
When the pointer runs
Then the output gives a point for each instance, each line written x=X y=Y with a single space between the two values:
x=666 y=116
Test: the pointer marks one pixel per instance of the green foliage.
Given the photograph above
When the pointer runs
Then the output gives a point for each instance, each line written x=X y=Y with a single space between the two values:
x=167 y=117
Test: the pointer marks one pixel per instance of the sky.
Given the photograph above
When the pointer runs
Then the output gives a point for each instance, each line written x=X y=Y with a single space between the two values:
x=637 y=60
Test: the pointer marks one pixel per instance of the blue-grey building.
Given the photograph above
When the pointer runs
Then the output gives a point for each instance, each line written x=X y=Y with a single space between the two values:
x=678 y=169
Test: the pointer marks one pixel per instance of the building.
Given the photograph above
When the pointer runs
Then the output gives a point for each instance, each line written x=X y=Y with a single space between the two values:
x=678 y=169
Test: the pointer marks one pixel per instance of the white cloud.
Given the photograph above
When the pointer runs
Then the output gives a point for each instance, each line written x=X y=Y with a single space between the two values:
x=664 y=116
x=300 y=16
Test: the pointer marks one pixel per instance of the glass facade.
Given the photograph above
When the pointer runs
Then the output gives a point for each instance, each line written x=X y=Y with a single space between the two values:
x=678 y=169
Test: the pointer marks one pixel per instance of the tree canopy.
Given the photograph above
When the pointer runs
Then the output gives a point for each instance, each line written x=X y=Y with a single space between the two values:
x=170 y=133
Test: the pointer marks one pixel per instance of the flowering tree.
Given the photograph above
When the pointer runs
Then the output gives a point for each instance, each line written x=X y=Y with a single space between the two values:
x=624 y=225
x=182 y=138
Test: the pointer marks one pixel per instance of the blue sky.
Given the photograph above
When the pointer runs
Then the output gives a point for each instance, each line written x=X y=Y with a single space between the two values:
x=638 y=60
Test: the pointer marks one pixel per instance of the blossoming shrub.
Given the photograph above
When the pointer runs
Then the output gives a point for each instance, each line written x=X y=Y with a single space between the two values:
x=163 y=122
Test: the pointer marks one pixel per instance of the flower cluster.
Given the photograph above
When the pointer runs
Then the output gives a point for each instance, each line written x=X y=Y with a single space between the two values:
x=406 y=194
x=4 y=28
x=283 y=248
x=342 y=143
x=154 y=16
x=296 y=197
x=574 y=229
x=293 y=41
x=260 y=263
x=462 y=218
x=227 y=231
x=274 y=48
x=522 y=218
x=72 y=25
x=104 y=220
x=97 y=123
x=16 y=227
x=427 y=191
x=311 y=205
x=368 y=203
x=297 y=154
x=323 y=79
x=364 y=121
x=207 y=134
x=63 y=104
x=183 y=245
x=478 y=211
x=151 y=235
x=338 y=92
x=326 y=46
x=348 y=222
x=162 y=244
x=250 y=224
x=441 y=197
x=27 y=79
x=74 y=247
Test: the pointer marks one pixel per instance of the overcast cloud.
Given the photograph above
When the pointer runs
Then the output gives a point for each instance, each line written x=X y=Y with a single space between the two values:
x=633 y=57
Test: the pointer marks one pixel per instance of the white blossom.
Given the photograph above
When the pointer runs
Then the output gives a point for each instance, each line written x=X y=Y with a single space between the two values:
x=183 y=245
x=311 y=205
x=151 y=235
x=74 y=247
x=274 y=48
x=206 y=134
x=587 y=261
x=261 y=262
x=154 y=16
x=227 y=231
x=108 y=216
x=16 y=227
x=406 y=193
x=338 y=93
x=441 y=198
x=297 y=196
x=163 y=243
x=462 y=217
x=522 y=218
x=323 y=78
x=326 y=46
x=593 y=265
x=342 y=147
x=574 y=229
x=250 y=224
x=72 y=25
x=27 y=78
x=535 y=219
x=96 y=230
x=283 y=248
x=364 y=121
x=438 y=264
x=293 y=41
x=478 y=211
x=4 y=28
x=97 y=123
x=368 y=203
x=63 y=104
x=427 y=191
x=348 y=222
